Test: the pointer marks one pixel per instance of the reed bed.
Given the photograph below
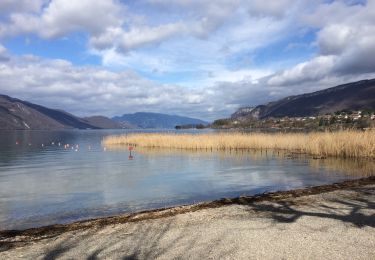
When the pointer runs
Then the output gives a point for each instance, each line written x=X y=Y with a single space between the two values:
x=353 y=144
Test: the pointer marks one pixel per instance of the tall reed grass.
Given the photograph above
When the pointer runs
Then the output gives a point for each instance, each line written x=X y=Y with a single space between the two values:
x=352 y=144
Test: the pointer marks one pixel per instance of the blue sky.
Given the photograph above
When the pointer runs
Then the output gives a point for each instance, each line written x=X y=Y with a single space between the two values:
x=197 y=58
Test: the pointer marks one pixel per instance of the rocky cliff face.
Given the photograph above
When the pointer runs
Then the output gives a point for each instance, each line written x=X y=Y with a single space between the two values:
x=247 y=112
x=352 y=96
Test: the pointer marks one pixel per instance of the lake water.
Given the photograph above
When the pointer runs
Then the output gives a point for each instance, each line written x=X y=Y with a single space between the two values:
x=43 y=183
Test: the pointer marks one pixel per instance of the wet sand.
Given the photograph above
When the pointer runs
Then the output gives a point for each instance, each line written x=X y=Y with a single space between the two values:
x=331 y=221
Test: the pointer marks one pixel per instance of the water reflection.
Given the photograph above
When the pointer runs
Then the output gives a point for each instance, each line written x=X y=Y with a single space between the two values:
x=351 y=167
x=43 y=183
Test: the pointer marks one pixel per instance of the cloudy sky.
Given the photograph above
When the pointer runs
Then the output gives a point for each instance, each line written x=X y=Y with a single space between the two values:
x=199 y=58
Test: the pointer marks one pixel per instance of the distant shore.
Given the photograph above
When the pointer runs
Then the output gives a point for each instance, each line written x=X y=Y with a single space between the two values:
x=14 y=238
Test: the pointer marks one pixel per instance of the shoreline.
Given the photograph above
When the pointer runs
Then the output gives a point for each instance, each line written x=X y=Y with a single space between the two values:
x=14 y=238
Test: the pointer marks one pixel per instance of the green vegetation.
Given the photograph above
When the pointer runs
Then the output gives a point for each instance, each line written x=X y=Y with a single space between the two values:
x=339 y=120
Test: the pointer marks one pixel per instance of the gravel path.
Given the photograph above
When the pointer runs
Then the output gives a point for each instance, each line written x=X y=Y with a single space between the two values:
x=332 y=225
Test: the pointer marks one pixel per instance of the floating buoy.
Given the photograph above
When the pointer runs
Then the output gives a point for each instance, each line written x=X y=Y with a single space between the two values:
x=17 y=143
x=53 y=143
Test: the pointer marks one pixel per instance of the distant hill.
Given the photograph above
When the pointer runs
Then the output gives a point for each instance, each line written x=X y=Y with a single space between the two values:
x=352 y=96
x=22 y=115
x=102 y=122
x=156 y=120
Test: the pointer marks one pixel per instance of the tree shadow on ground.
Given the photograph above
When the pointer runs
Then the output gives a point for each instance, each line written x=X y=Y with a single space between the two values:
x=344 y=209
x=136 y=241
x=166 y=237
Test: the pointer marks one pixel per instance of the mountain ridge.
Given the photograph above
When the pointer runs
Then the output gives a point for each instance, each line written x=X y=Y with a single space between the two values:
x=17 y=114
x=157 y=120
x=350 y=96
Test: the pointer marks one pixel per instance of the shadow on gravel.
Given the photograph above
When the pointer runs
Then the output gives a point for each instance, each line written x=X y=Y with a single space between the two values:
x=347 y=210
x=138 y=242
x=155 y=239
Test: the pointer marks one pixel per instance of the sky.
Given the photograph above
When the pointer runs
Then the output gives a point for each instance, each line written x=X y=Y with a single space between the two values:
x=198 y=58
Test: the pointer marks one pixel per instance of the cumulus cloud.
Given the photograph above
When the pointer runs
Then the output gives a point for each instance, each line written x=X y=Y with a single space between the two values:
x=312 y=70
x=60 y=17
x=4 y=56
x=274 y=8
x=10 y=6
x=142 y=36
x=90 y=90
x=185 y=57
x=334 y=38
x=345 y=41
x=86 y=90
x=110 y=24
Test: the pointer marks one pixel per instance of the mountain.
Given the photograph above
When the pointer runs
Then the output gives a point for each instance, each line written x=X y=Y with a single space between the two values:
x=103 y=122
x=19 y=114
x=156 y=120
x=352 y=96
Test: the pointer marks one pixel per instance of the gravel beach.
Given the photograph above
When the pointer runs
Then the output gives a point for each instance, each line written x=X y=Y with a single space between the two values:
x=338 y=224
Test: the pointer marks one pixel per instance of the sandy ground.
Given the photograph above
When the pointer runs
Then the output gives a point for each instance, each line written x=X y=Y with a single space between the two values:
x=332 y=225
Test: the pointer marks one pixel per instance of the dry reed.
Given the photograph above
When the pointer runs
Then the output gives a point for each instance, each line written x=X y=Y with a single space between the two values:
x=352 y=144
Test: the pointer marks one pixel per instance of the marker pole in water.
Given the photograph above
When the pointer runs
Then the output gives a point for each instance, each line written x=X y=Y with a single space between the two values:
x=130 y=148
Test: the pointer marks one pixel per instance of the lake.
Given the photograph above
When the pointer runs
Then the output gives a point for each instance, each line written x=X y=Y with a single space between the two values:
x=42 y=181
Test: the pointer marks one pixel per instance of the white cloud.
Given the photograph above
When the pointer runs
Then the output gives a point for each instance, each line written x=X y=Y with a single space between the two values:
x=3 y=50
x=198 y=45
x=334 y=38
x=9 y=6
x=89 y=90
x=61 y=17
x=312 y=70
x=346 y=43
x=110 y=24
x=4 y=56
x=142 y=36
x=272 y=8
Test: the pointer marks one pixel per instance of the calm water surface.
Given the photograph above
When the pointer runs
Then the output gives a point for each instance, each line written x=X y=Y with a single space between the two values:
x=42 y=183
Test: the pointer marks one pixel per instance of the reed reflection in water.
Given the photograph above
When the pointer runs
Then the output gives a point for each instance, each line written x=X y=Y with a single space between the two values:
x=347 y=166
